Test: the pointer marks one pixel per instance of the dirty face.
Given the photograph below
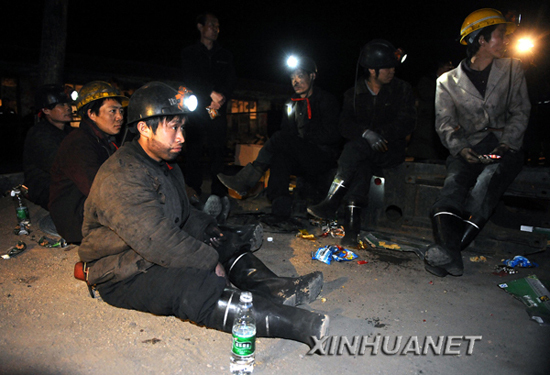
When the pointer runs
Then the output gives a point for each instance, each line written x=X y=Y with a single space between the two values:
x=60 y=114
x=110 y=117
x=167 y=142
x=497 y=45
x=301 y=82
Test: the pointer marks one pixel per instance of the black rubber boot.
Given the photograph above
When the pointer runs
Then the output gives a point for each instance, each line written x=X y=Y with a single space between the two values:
x=272 y=320
x=249 y=273
x=472 y=228
x=445 y=252
x=252 y=234
x=326 y=210
x=244 y=180
x=352 y=225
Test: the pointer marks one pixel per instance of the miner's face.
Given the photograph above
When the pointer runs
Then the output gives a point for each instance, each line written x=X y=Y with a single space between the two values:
x=302 y=82
x=167 y=142
x=110 y=117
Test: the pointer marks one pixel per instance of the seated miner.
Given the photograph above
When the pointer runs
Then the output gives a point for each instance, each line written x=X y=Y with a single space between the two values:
x=43 y=140
x=146 y=248
x=377 y=116
x=307 y=144
x=82 y=152
x=482 y=111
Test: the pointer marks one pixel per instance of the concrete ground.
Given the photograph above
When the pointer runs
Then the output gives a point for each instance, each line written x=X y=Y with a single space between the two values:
x=50 y=325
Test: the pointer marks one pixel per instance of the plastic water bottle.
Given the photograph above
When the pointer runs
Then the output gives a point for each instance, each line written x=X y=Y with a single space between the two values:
x=20 y=209
x=244 y=338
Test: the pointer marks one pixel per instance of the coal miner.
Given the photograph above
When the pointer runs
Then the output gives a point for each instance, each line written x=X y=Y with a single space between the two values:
x=43 y=140
x=82 y=152
x=482 y=112
x=377 y=116
x=307 y=144
x=146 y=248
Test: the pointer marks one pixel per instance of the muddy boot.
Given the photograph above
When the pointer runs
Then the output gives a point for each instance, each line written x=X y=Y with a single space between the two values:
x=249 y=273
x=252 y=234
x=352 y=225
x=326 y=210
x=212 y=206
x=272 y=320
x=244 y=180
x=445 y=252
x=224 y=214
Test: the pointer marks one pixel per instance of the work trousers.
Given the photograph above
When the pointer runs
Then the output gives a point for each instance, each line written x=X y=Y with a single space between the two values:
x=359 y=162
x=487 y=182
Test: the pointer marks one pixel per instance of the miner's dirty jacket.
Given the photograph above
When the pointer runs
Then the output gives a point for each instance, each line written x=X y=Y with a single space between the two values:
x=77 y=161
x=391 y=113
x=137 y=215
x=464 y=117
x=322 y=128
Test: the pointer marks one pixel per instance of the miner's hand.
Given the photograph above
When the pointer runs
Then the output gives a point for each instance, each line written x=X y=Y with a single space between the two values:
x=376 y=141
x=470 y=155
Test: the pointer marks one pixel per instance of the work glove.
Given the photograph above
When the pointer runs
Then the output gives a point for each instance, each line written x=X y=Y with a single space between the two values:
x=214 y=236
x=470 y=155
x=376 y=141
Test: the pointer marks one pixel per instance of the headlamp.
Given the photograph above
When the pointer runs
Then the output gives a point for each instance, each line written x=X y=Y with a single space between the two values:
x=292 y=62
x=186 y=100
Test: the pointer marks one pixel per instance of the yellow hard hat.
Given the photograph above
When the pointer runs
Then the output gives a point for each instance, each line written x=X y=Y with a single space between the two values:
x=482 y=18
x=96 y=90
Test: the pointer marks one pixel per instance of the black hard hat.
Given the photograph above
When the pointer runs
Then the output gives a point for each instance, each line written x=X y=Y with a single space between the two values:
x=158 y=99
x=50 y=95
x=378 y=54
x=302 y=62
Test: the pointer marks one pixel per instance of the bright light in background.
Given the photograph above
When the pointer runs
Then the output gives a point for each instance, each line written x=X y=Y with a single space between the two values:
x=292 y=62
x=525 y=45
x=74 y=95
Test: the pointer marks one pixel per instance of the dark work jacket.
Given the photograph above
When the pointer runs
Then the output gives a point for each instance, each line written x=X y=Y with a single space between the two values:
x=138 y=215
x=41 y=145
x=322 y=129
x=391 y=113
x=206 y=70
x=78 y=159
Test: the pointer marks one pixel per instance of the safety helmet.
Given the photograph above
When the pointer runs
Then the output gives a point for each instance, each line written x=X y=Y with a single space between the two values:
x=482 y=18
x=50 y=95
x=159 y=99
x=379 y=54
x=96 y=90
x=301 y=62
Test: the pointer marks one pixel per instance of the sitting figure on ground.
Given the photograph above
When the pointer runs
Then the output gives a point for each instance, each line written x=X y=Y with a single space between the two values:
x=377 y=116
x=307 y=144
x=82 y=152
x=146 y=248
x=43 y=140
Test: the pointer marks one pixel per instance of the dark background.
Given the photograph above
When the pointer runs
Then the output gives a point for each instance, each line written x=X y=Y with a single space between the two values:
x=262 y=33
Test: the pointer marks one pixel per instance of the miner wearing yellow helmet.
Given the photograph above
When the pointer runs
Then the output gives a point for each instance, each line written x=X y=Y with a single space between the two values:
x=482 y=110
x=82 y=152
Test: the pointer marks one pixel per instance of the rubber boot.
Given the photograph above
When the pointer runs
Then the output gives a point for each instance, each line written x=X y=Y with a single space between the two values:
x=244 y=180
x=249 y=273
x=252 y=234
x=272 y=320
x=472 y=228
x=444 y=254
x=326 y=210
x=352 y=225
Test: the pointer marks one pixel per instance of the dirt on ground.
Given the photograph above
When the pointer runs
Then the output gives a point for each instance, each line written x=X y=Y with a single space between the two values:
x=49 y=324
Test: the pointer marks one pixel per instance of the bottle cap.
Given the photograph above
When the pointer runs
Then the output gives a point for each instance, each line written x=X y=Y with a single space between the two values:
x=246 y=297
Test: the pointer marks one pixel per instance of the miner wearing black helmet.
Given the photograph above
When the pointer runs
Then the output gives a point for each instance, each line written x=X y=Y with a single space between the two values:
x=377 y=116
x=81 y=153
x=307 y=144
x=43 y=140
x=146 y=248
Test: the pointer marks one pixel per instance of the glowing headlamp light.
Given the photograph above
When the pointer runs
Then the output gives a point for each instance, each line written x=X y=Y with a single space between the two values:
x=525 y=45
x=292 y=62
x=187 y=101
